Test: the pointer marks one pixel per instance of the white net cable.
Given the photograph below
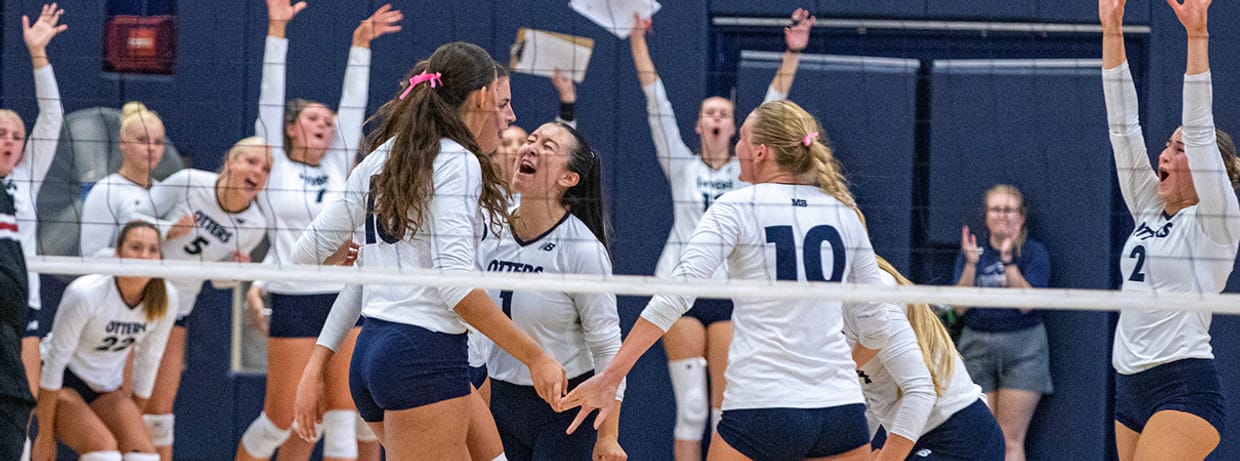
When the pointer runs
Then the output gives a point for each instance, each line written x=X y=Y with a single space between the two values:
x=1067 y=299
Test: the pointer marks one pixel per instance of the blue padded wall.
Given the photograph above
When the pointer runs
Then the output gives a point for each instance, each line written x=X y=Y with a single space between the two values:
x=992 y=125
x=868 y=108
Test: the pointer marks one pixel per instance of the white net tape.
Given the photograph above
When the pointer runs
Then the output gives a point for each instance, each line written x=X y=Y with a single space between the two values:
x=1050 y=298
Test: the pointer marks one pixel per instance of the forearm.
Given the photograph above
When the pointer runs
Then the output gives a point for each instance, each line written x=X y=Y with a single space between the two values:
x=45 y=410
x=897 y=448
x=610 y=429
x=38 y=58
x=276 y=28
x=478 y=310
x=1198 y=52
x=641 y=338
x=967 y=275
x=1114 y=52
x=317 y=364
x=782 y=82
x=646 y=73
x=1014 y=278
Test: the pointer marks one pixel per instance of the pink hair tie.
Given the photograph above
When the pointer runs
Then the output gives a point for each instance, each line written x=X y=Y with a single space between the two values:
x=809 y=138
x=435 y=79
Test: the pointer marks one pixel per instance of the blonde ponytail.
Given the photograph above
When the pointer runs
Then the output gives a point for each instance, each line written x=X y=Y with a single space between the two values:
x=800 y=146
x=936 y=345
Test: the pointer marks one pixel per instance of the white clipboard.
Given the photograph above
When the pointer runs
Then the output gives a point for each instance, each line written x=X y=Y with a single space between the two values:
x=540 y=52
x=615 y=15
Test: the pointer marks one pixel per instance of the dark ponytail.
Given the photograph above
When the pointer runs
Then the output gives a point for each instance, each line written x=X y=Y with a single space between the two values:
x=585 y=200
x=416 y=123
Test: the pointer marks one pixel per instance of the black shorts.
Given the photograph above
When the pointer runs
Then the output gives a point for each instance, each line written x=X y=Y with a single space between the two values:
x=32 y=327
x=1188 y=385
x=778 y=434
x=711 y=310
x=398 y=366
x=532 y=431
x=72 y=381
x=299 y=316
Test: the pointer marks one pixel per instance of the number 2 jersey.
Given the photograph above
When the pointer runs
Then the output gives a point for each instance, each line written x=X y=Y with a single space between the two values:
x=1191 y=252
x=217 y=234
x=94 y=331
x=784 y=354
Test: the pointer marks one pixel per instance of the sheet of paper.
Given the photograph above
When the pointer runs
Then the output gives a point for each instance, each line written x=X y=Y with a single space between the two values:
x=539 y=52
x=615 y=15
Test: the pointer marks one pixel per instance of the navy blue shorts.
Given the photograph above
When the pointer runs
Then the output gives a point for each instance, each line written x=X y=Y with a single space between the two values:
x=711 y=310
x=532 y=431
x=972 y=434
x=31 y=324
x=72 y=381
x=478 y=376
x=1188 y=385
x=397 y=366
x=777 y=434
x=299 y=316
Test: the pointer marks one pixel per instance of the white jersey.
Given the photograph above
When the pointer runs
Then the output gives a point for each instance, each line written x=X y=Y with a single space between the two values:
x=93 y=332
x=899 y=390
x=447 y=241
x=296 y=192
x=27 y=176
x=695 y=185
x=784 y=354
x=1191 y=252
x=217 y=234
x=110 y=201
x=580 y=330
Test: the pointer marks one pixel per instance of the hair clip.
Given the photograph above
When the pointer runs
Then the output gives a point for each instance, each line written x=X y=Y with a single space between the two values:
x=809 y=138
x=435 y=79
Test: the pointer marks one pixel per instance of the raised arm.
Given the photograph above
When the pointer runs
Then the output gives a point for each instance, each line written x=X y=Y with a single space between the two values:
x=796 y=38
x=568 y=98
x=270 y=123
x=355 y=91
x=1137 y=180
x=669 y=148
x=44 y=137
x=1219 y=211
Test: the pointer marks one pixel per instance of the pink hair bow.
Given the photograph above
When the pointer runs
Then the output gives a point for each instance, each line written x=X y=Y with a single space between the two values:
x=809 y=138
x=435 y=79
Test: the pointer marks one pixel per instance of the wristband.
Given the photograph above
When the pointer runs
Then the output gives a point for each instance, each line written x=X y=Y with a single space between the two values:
x=568 y=111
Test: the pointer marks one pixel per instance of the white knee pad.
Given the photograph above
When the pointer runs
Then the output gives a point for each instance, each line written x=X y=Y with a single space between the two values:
x=101 y=456
x=26 y=450
x=501 y=457
x=363 y=432
x=263 y=437
x=340 y=434
x=160 y=428
x=689 y=387
x=140 y=457
x=716 y=414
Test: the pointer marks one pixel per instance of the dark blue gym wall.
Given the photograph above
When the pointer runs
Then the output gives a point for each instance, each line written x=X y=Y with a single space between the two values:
x=210 y=103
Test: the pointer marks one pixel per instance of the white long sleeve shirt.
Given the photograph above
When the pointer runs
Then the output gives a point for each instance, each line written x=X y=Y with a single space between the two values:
x=447 y=242
x=1191 y=252
x=899 y=391
x=109 y=203
x=26 y=179
x=580 y=330
x=217 y=234
x=93 y=332
x=296 y=192
x=784 y=354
